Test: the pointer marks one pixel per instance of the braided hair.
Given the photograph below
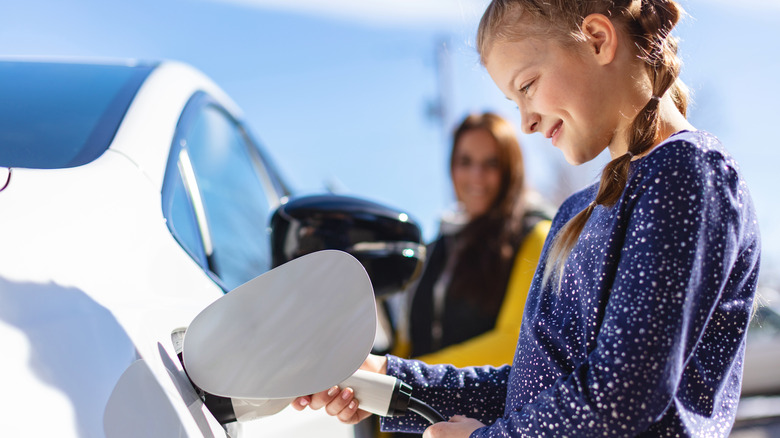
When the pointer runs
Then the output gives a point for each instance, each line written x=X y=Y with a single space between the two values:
x=648 y=24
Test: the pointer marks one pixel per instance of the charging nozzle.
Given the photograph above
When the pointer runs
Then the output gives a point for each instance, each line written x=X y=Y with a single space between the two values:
x=388 y=396
x=379 y=394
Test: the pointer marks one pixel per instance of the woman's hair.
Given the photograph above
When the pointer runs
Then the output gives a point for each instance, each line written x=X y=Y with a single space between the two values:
x=648 y=23
x=488 y=242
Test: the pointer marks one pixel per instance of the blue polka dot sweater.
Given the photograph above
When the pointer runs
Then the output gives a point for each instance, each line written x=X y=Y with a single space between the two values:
x=646 y=335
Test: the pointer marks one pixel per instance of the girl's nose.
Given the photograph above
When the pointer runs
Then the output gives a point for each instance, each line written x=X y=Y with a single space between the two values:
x=529 y=120
x=529 y=128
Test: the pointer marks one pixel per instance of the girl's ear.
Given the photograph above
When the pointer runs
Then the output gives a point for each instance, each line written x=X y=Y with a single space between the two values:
x=601 y=37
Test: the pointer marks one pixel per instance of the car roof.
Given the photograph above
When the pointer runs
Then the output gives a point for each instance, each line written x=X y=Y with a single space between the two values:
x=94 y=105
x=57 y=114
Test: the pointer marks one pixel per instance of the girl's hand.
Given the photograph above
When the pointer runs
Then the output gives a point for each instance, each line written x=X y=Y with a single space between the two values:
x=337 y=403
x=341 y=403
x=458 y=426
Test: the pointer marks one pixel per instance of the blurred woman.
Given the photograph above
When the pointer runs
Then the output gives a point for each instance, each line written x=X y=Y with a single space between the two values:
x=467 y=306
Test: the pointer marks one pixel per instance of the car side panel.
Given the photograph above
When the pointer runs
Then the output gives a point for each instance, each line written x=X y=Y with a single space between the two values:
x=91 y=280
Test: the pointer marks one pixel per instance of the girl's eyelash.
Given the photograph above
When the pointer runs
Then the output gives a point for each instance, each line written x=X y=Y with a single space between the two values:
x=524 y=88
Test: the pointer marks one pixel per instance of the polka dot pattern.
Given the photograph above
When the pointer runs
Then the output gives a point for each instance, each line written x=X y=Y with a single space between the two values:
x=646 y=335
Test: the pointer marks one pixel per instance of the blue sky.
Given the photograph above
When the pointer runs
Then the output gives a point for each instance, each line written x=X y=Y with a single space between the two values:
x=339 y=91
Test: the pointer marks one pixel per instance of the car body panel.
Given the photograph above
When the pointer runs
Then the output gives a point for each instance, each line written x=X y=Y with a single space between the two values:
x=93 y=284
x=94 y=326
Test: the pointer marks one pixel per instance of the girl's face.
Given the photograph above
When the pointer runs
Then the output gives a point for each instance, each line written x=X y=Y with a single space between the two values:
x=476 y=174
x=564 y=93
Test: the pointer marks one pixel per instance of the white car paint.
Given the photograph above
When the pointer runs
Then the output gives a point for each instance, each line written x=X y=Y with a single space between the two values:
x=92 y=284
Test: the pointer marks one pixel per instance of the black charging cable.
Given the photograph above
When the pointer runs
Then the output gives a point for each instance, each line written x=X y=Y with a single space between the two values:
x=425 y=411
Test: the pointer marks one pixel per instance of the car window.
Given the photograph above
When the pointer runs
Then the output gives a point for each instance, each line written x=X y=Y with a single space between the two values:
x=58 y=115
x=221 y=187
x=181 y=216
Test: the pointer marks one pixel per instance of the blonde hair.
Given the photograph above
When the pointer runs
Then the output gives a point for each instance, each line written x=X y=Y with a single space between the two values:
x=648 y=23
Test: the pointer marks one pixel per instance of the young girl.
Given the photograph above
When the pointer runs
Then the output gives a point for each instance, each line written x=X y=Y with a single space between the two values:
x=635 y=322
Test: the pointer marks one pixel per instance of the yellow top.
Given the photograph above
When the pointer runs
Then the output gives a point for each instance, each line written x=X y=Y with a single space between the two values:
x=497 y=346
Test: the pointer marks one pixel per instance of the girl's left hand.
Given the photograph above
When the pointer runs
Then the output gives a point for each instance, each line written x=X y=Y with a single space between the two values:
x=458 y=426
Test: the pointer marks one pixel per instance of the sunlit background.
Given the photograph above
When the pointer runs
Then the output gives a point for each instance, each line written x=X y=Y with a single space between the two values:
x=359 y=96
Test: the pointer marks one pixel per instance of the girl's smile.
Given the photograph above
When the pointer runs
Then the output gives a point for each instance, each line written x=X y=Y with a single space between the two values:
x=553 y=134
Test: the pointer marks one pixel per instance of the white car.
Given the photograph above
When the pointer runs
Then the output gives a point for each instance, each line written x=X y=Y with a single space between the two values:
x=131 y=197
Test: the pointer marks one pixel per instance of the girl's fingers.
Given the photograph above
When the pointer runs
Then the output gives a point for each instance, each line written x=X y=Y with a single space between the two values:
x=458 y=427
x=349 y=414
x=337 y=403
x=322 y=399
x=300 y=403
x=340 y=402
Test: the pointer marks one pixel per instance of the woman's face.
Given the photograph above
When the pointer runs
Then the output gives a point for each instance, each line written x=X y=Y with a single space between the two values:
x=476 y=173
x=561 y=94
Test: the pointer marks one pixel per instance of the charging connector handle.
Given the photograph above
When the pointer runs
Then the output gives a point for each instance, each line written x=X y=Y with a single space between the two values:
x=375 y=392
x=399 y=403
x=387 y=396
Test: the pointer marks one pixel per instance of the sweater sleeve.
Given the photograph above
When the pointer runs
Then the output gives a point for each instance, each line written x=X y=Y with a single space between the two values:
x=497 y=346
x=682 y=237
x=479 y=392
